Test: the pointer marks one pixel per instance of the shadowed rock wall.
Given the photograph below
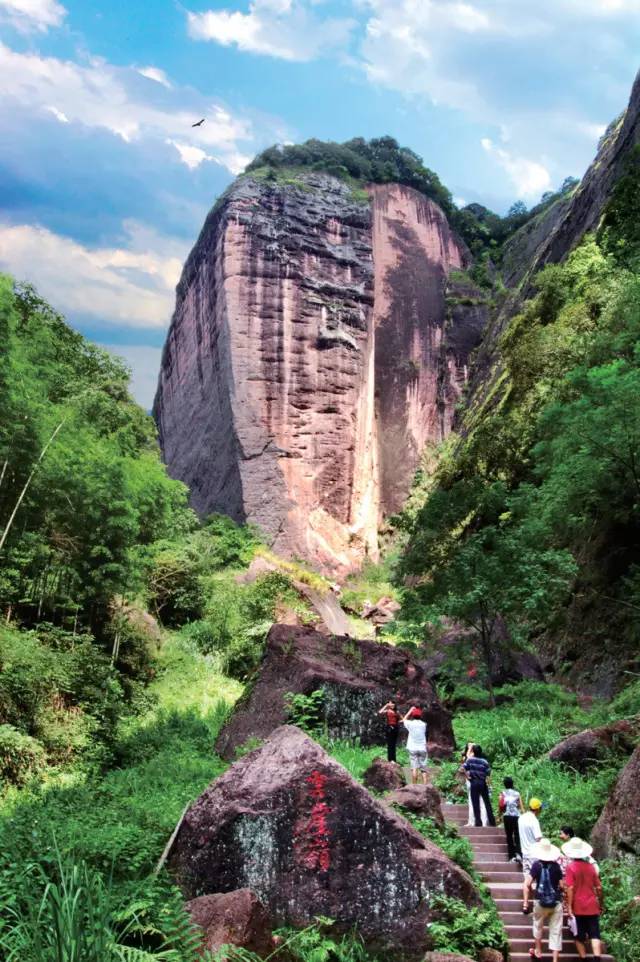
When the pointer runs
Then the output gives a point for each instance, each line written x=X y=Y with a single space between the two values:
x=309 y=360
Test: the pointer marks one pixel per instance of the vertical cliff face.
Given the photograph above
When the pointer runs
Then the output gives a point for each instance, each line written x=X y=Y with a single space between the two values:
x=413 y=250
x=310 y=358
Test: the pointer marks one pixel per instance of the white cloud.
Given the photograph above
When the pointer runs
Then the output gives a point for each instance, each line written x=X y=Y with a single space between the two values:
x=58 y=114
x=144 y=362
x=529 y=177
x=190 y=155
x=32 y=15
x=129 y=286
x=286 y=29
x=154 y=73
x=100 y=95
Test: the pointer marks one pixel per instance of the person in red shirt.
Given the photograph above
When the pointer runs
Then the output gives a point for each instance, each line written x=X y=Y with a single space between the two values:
x=584 y=896
x=392 y=728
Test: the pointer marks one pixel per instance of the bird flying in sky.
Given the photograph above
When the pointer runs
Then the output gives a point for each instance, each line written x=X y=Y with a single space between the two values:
x=198 y=123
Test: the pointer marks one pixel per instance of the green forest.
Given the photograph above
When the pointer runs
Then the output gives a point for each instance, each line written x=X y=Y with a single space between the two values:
x=127 y=635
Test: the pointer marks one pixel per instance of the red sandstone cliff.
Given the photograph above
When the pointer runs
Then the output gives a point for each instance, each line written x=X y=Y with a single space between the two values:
x=310 y=358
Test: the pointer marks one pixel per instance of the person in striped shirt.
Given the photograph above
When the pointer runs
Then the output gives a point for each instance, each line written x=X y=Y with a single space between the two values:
x=477 y=770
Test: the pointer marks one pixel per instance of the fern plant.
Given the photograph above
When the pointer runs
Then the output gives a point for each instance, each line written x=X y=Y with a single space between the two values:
x=306 y=711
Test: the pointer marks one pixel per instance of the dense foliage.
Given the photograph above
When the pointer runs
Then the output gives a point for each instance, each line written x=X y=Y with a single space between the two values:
x=533 y=512
x=82 y=486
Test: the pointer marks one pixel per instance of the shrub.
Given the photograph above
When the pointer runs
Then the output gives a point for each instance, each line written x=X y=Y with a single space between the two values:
x=20 y=755
x=305 y=711
x=466 y=930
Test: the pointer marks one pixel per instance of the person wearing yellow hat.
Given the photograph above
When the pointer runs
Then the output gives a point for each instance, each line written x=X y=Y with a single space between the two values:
x=530 y=833
x=546 y=875
x=584 y=896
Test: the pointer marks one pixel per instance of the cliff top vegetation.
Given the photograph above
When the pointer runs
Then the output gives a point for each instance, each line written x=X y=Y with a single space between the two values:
x=383 y=161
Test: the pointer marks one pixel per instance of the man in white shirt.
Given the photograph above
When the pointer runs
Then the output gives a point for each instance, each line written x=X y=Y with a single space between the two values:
x=416 y=744
x=530 y=833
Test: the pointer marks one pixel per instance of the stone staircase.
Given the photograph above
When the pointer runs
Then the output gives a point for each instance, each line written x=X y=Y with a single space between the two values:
x=504 y=880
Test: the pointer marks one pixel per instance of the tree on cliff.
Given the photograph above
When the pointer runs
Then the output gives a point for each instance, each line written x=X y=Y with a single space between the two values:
x=484 y=572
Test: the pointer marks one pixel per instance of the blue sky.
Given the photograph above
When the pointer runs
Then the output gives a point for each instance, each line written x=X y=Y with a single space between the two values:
x=105 y=184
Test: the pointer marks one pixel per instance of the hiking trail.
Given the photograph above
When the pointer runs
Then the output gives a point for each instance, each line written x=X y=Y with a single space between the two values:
x=504 y=880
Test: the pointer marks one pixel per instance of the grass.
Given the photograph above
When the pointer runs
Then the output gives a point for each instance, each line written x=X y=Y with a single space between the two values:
x=116 y=826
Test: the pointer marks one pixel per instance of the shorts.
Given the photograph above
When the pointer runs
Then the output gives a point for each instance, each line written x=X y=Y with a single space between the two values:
x=527 y=862
x=588 y=927
x=553 y=917
x=418 y=760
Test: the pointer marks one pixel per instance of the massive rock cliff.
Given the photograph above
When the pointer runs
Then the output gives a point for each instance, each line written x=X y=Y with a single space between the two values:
x=311 y=356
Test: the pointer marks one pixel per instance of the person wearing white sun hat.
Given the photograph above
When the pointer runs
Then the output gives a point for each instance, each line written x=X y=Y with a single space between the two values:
x=546 y=875
x=584 y=896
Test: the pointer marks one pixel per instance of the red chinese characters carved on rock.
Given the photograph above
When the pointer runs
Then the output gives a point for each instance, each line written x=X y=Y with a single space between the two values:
x=313 y=844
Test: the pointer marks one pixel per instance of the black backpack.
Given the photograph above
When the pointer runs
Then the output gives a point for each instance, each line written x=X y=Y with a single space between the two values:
x=546 y=894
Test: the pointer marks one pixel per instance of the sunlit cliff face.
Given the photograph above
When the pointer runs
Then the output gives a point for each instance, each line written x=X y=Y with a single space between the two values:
x=308 y=362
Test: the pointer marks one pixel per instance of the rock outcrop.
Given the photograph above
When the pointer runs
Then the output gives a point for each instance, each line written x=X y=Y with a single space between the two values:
x=358 y=677
x=617 y=831
x=310 y=358
x=232 y=918
x=291 y=824
x=589 y=747
x=423 y=800
x=384 y=776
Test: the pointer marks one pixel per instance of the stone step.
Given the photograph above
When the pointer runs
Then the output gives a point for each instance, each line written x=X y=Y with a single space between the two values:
x=494 y=858
x=517 y=956
x=506 y=890
x=509 y=905
x=523 y=931
x=518 y=946
x=496 y=875
x=488 y=834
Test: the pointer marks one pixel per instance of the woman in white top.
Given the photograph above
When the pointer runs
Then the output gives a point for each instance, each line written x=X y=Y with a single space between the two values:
x=466 y=754
x=416 y=743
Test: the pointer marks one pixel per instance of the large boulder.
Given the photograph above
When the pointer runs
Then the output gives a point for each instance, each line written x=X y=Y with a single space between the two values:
x=233 y=918
x=421 y=800
x=358 y=677
x=618 y=828
x=291 y=824
x=384 y=776
x=591 y=746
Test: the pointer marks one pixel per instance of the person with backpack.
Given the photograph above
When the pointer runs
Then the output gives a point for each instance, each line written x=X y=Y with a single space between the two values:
x=546 y=875
x=584 y=897
x=510 y=805
x=392 y=728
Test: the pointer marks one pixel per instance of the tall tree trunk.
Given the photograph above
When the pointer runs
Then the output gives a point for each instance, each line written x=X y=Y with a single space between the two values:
x=486 y=631
x=27 y=484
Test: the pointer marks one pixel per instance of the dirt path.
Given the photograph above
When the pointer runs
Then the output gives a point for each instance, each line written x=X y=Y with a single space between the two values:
x=504 y=880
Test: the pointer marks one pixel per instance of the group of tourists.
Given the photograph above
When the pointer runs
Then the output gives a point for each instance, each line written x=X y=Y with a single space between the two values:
x=558 y=881
x=416 y=728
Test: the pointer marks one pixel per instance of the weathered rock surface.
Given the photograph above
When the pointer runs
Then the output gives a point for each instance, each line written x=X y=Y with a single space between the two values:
x=310 y=358
x=233 y=918
x=589 y=747
x=358 y=677
x=447 y=957
x=382 y=611
x=618 y=828
x=291 y=824
x=421 y=800
x=384 y=776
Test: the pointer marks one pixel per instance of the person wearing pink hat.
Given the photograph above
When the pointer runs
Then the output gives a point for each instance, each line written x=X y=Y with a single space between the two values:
x=416 y=744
